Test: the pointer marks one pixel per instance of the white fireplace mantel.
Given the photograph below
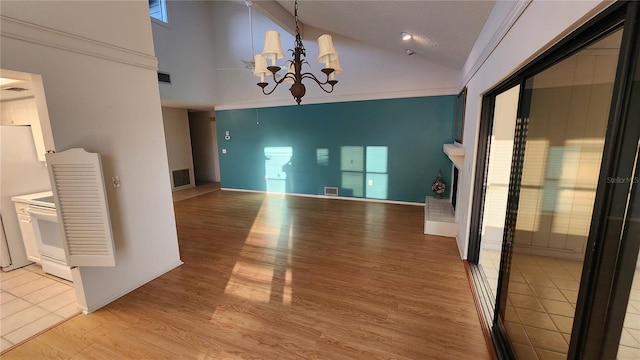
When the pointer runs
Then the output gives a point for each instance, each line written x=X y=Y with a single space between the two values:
x=455 y=152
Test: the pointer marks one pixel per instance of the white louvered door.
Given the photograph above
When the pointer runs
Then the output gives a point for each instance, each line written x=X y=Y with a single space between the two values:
x=83 y=211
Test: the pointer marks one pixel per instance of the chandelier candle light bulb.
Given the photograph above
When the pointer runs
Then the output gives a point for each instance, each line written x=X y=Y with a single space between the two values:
x=290 y=70
x=335 y=65
x=272 y=47
x=327 y=52
x=260 y=66
x=273 y=51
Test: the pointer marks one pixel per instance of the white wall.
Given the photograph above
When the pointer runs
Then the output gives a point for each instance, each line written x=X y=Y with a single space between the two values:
x=528 y=37
x=102 y=94
x=99 y=21
x=178 y=141
x=185 y=48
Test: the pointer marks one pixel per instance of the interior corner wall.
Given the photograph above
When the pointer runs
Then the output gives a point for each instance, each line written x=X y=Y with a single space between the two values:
x=185 y=49
x=204 y=162
x=108 y=107
x=321 y=137
x=527 y=37
x=215 y=148
x=178 y=142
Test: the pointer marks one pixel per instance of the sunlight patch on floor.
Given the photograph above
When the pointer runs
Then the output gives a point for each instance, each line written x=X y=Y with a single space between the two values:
x=270 y=237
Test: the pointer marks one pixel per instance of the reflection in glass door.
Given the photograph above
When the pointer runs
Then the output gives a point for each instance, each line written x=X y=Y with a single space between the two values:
x=497 y=186
x=629 y=345
x=564 y=115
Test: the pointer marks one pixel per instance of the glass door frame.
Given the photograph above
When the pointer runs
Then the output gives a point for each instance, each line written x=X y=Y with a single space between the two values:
x=606 y=282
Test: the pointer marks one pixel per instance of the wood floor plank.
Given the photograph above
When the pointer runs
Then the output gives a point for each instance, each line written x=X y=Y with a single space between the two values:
x=34 y=349
x=283 y=277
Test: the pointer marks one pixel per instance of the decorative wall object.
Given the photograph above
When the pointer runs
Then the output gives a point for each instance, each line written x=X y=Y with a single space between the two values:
x=438 y=187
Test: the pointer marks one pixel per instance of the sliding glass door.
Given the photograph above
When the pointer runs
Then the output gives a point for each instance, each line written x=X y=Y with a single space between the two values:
x=496 y=188
x=555 y=239
x=563 y=121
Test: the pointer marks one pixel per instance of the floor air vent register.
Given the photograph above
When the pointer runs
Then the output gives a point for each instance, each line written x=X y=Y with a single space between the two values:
x=331 y=191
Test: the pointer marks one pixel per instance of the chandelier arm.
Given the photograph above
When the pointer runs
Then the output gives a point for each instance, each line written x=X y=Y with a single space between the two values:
x=320 y=84
x=278 y=82
x=314 y=78
x=269 y=92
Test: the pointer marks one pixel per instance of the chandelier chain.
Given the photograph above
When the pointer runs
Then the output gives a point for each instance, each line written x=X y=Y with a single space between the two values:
x=298 y=37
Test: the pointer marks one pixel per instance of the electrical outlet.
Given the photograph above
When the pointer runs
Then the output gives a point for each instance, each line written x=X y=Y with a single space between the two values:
x=115 y=181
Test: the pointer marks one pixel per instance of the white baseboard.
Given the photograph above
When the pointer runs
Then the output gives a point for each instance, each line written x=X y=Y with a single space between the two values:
x=93 y=307
x=328 y=197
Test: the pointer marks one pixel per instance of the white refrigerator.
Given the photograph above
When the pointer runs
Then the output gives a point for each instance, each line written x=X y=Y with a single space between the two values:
x=20 y=173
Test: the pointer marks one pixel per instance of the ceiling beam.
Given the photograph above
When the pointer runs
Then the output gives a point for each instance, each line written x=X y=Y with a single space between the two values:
x=279 y=15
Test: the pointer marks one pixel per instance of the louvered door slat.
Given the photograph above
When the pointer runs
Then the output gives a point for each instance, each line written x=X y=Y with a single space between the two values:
x=79 y=193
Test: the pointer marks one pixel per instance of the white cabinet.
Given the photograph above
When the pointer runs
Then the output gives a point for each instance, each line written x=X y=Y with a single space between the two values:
x=28 y=235
x=19 y=112
x=24 y=112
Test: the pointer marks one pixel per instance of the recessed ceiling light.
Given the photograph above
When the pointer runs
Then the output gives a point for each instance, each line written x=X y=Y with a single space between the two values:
x=406 y=36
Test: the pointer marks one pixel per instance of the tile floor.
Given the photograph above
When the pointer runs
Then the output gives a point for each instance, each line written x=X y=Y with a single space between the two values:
x=541 y=306
x=440 y=210
x=32 y=301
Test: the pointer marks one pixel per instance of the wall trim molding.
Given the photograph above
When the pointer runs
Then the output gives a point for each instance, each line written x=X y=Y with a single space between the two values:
x=93 y=307
x=41 y=35
x=338 y=98
x=328 y=197
x=505 y=26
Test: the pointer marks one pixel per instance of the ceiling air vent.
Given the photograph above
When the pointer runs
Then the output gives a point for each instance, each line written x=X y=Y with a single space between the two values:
x=14 y=88
x=164 y=77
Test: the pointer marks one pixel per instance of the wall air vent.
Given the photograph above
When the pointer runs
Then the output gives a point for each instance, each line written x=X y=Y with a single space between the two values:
x=180 y=178
x=331 y=191
x=14 y=88
x=164 y=77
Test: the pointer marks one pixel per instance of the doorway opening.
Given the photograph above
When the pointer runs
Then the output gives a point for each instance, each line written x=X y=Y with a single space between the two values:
x=204 y=147
x=32 y=299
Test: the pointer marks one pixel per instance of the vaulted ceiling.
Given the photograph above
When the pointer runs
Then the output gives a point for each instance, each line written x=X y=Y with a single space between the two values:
x=443 y=31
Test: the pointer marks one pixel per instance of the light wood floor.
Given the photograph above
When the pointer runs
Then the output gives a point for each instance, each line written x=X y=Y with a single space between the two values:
x=280 y=277
x=198 y=190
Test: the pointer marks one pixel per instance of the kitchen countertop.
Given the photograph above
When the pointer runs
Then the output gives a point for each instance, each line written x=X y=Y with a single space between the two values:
x=28 y=198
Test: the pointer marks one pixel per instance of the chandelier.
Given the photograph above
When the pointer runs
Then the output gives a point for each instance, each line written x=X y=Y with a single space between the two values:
x=273 y=51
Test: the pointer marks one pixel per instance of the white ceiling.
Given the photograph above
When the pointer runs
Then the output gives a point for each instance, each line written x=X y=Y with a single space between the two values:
x=444 y=31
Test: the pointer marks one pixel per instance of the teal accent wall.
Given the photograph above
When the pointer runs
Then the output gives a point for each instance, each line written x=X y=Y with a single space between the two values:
x=413 y=131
